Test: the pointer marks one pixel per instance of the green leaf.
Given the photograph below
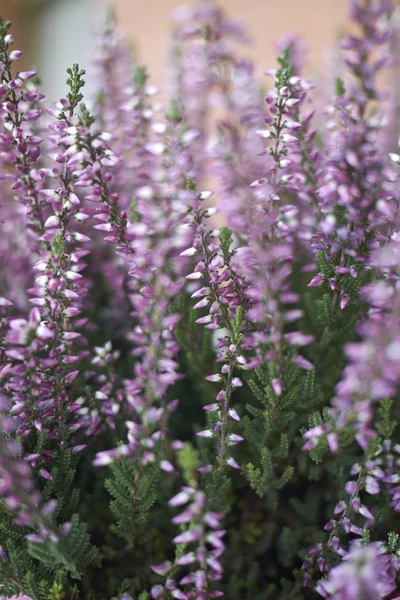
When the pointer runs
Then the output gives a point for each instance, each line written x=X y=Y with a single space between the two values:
x=226 y=239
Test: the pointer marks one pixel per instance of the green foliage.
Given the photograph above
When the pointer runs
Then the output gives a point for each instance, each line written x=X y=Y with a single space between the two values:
x=134 y=491
x=218 y=487
x=43 y=570
x=140 y=77
x=340 y=90
x=225 y=240
x=75 y=82
x=386 y=425
x=73 y=552
x=173 y=112
x=58 y=245
x=85 y=118
x=63 y=474
x=188 y=460
x=133 y=214
x=4 y=28
x=190 y=184
x=285 y=71
x=272 y=425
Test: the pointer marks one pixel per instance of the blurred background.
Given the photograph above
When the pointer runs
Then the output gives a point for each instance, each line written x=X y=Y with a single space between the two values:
x=56 y=33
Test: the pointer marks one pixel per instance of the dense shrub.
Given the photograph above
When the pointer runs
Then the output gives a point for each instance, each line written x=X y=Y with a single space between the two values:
x=191 y=412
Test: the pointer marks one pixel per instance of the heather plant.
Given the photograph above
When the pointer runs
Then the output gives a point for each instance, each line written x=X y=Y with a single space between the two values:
x=186 y=411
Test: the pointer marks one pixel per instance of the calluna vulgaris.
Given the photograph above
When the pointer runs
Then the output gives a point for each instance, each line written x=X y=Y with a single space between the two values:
x=189 y=412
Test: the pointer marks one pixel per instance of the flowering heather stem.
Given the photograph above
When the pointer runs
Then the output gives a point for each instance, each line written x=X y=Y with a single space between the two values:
x=202 y=534
x=224 y=312
x=19 y=146
x=356 y=174
x=205 y=58
x=105 y=238
x=41 y=349
x=365 y=570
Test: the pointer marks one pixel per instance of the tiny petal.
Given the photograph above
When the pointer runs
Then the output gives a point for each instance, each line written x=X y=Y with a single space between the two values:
x=181 y=498
x=189 y=252
x=214 y=378
x=52 y=222
x=161 y=569
x=211 y=407
x=236 y=382
x=206 y=433
x=394 y=157
x=316 y=281
x=340 y=507
x=157 y=591
x=191 y=535
x=186 y=559
x=234 y=414
x=166 y=466
x=24 y=75
x=333 y=442
x=344 y=301
x=277 y=387
x=365 y=512
x=71 y=376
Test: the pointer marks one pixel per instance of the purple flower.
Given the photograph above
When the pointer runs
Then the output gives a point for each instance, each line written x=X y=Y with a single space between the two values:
x=204 y=566
x=364 y=572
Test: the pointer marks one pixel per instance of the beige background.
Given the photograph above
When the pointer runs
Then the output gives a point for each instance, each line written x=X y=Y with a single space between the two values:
x=147 y=23
x=317 y=21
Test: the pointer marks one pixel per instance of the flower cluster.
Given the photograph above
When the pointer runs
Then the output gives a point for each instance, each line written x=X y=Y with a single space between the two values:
x=365 y=571
x=203 y=530
x=202 y=296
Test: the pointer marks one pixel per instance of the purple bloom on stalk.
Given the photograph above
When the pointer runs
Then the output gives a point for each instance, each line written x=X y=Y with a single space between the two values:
x=222 y=298
x=390 y=132
x=202 y=548
x=206 y=38
x=43 y=348
x=237 y=155
x=152 y=243
x=354 y=174
x=114 y=66
x=263 y=261
x=17 y=483
x=372 y=372
x=23 y=211
x=20 y=139
x=364 y=572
